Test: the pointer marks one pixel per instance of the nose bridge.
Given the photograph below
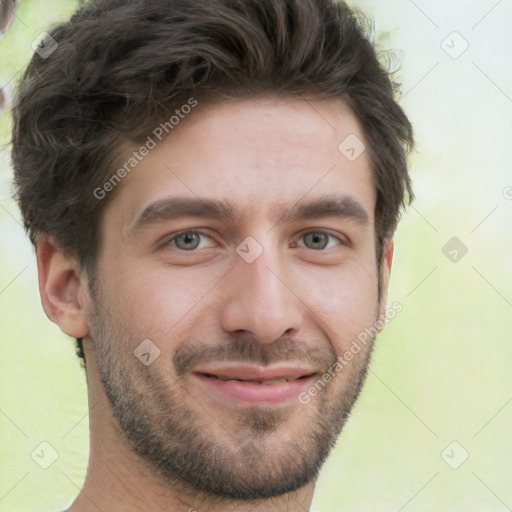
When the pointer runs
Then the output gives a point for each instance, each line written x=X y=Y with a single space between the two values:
x=263 y=278
x=259 y=299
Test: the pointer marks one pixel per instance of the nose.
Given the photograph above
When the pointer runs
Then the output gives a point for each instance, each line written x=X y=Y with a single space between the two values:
x=260 y=299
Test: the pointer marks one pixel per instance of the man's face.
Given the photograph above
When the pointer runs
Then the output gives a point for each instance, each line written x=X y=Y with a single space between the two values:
x=243 y=248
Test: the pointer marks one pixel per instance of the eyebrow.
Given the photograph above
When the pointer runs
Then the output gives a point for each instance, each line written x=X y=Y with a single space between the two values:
x=174 y=207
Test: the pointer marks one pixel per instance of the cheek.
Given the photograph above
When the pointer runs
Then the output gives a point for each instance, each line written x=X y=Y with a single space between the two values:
x=345 y=303
x=153 y=302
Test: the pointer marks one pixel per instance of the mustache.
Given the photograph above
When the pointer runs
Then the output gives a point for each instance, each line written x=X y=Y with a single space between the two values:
x=247 y=349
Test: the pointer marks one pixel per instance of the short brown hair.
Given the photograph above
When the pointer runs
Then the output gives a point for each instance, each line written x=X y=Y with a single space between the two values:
x=123 y=67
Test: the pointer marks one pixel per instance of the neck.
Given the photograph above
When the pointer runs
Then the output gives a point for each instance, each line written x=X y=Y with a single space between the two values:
x=117 y=479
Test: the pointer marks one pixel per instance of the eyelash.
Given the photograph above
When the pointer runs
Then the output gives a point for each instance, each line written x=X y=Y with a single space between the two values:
x=169 y=241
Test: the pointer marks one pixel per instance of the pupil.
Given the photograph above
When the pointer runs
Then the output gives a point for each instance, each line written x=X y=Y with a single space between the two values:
x=189 y=240
x=317 y=240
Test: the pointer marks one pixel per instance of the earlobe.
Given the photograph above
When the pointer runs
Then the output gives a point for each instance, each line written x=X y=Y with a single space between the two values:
x=61 y=289
x=385 y=271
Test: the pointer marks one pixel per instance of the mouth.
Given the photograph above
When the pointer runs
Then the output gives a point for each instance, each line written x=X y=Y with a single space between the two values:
x=268 y=382
x=244 y=383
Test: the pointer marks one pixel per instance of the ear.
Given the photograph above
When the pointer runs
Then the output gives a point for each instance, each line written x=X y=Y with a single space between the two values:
x=62 y=287
x=385 y=271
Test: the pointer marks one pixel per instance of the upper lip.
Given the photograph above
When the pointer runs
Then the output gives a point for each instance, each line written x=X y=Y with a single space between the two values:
x=251 y=372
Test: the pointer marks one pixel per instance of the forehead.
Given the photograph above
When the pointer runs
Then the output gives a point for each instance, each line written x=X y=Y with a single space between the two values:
x=263 y=154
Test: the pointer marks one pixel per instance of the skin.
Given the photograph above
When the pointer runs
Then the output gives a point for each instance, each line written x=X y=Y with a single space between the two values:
x=292 y=303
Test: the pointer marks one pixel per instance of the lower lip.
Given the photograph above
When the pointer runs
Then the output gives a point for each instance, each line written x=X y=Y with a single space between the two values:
x=249 y=392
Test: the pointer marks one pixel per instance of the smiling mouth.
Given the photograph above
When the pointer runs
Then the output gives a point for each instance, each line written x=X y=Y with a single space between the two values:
x=267 y=382
x=280 y=389
x=246 y=383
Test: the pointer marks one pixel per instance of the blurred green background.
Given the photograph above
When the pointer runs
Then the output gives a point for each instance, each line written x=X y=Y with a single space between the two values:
x=441 y=371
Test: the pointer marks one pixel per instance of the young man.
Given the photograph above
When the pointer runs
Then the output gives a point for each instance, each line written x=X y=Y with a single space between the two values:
x=212 y=188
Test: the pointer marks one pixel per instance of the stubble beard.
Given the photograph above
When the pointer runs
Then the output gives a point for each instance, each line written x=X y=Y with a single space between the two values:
x=173 y=439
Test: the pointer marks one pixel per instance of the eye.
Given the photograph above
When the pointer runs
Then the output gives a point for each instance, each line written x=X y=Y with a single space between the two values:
x=187 y=240
x=318 y=240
